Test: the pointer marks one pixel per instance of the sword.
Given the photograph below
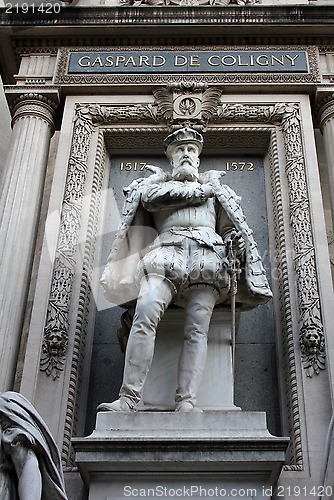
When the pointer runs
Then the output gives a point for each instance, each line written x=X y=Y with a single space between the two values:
x=234 y=271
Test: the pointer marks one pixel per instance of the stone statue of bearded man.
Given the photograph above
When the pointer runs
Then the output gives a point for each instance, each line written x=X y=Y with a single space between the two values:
x=184 y=261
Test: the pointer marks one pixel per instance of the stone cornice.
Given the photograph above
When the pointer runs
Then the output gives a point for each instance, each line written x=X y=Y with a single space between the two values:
x=166 y=25
x=227 y=16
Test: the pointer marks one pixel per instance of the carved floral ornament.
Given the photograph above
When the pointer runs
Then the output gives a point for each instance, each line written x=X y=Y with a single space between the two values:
x=178 y=106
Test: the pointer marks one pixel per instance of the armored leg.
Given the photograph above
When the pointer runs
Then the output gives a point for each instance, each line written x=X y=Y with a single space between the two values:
x=198 y=312
x=155 y=296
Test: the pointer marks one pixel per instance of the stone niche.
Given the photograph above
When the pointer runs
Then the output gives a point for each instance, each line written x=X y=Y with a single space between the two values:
x=255 y=363
x=224 y=448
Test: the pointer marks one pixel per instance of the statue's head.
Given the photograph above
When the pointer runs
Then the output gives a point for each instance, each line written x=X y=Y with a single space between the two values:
x=183 y=148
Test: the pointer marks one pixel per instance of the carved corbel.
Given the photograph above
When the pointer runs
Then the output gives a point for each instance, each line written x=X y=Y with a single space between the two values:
x=192 y=105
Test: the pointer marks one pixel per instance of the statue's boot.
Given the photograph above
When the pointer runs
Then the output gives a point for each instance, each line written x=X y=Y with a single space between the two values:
x=198 y=311
x=121 y=404
x=155 y=295
x=186 y=407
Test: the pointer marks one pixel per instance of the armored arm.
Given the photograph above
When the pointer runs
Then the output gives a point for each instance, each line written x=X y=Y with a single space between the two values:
x=161 y=196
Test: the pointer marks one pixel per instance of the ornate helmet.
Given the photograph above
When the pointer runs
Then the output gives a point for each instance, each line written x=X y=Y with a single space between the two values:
x=181 y=135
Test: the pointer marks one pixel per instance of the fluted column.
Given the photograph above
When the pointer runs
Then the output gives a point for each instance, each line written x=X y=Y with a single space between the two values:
x=20 y=201
x=326 y=119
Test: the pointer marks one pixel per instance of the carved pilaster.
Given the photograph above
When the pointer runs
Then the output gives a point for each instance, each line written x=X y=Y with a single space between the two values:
x=20 y=201
x=55 y=340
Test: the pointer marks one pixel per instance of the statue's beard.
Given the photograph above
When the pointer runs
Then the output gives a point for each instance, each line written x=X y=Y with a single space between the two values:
x=185 y=172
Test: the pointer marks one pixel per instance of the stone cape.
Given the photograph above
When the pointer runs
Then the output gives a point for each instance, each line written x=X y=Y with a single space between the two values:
x=136 y=233
x=22 y=422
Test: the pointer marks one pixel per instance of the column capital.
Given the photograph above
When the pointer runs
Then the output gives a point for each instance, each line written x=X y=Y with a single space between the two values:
x=325 y=109
x=38 y=102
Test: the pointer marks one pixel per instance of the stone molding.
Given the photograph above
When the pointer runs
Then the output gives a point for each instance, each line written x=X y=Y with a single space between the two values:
x=323 y=49
x=154 y=3
x=80 y=332
x=62 y=78
x=252 y=139
x=284 y=116
x=295 y=451
x=26 y=46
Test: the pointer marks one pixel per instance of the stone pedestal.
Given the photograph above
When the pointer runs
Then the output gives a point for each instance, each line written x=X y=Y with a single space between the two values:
x=160 y=385
x=170 y=454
